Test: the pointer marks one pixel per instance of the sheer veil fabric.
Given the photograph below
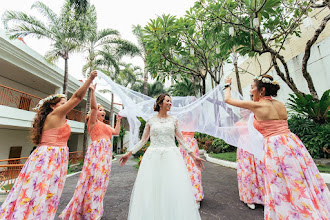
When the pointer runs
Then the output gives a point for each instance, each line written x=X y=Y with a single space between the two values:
x=208 y=114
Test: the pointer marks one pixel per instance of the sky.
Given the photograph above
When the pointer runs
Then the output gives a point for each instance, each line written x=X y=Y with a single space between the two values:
x=115 y=14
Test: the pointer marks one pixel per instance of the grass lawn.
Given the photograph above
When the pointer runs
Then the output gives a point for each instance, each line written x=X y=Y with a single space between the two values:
x=323 y=169
x=231 y=156
x=8 y=186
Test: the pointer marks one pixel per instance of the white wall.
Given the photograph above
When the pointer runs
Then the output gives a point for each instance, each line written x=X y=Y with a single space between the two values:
x=21 y=87
x=318 y=67
x=10 y=138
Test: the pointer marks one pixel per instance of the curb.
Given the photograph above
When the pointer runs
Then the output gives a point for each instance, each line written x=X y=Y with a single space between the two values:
x=325 y=176
x=72 y=174
x=224 y=163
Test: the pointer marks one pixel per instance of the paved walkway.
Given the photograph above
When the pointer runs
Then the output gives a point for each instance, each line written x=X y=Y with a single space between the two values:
x=220 y=187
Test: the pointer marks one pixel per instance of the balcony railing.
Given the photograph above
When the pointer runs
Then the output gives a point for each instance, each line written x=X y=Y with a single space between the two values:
x=18 y=99
x=10 y=169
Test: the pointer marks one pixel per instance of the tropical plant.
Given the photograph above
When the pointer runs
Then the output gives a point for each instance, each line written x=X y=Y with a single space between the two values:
x=267 y=25
x=63 y=30
x=139 y=34
x=220 y=146
x=121 y=136
x=184 y=47
x=80 y=6
x=317 y=110
x=104 y=49
x=154 y=89
x=315 y=136
x=204 y=141
x=128 y=74
x=183 y=88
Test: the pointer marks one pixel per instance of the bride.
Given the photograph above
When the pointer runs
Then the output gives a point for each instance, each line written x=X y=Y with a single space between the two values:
x=162 y=189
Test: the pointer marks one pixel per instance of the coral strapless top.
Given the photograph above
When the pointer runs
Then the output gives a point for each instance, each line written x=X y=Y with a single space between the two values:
x=270 y=128
x=100 y=131
x=188 y=134
x=56 y=137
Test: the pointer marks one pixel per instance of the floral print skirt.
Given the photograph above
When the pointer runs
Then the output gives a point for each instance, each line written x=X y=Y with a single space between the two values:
x=294 y=187
x=250 y=177
x=38 y=188
x=194 y=172
x=87 y=201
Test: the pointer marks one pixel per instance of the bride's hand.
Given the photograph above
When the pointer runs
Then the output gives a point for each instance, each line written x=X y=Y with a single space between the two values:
x=124 y=158
x=198 y=161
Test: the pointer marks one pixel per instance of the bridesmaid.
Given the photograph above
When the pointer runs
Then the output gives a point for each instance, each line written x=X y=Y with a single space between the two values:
x=194 y=173
x=38 y=188
x=87 y=201
x=294 y=188
x=250 y=171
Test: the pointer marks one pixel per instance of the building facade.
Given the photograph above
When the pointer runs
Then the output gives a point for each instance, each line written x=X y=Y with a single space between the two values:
x=25 y=78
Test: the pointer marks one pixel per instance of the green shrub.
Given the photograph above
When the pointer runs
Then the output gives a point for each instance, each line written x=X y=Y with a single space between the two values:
x=142 y=150
x=220 y=146
x=317 y=110
x=314 y=136
x=204 y=141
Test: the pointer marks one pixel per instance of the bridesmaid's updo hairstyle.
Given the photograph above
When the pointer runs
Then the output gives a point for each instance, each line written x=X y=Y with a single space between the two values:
x=43 y=109
x=266 y=81
x=159 y=101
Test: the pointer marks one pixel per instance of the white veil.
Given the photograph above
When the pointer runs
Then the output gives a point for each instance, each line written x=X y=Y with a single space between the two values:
x=208 y=114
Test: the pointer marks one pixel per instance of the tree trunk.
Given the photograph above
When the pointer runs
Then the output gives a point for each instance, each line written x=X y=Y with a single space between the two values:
x=203 y=86
x=287 y=79
x=193 y=84
x=66 y=76
x=238 y=79
x=111 y=110
x=85 y=141
x=239 y=86
x=307 y=54
x=145 y=83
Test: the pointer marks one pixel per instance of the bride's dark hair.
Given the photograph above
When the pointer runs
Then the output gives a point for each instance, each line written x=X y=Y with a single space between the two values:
x=159 y=101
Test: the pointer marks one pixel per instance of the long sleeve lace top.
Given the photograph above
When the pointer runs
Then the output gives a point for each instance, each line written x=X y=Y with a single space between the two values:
x=162 y=133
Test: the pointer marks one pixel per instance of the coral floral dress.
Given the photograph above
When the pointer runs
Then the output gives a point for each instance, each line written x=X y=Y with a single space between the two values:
x=87 y=201
x=294 y=188
x=250 y=175
x=194 y=173
x=38 y=188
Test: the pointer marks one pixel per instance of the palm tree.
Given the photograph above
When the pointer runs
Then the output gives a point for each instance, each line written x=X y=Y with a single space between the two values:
x=80 y=6
x=183 y=88
x=128 y=75
x=64 y=31
x=101 y=43
x=154 y=89
x=138 y=32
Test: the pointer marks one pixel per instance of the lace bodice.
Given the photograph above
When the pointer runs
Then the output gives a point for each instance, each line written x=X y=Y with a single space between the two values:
x=162 y=133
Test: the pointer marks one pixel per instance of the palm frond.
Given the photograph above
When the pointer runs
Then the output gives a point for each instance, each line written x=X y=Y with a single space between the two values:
x=46 y=12
x=24 y=25
x=52 y=55
x=125 y=47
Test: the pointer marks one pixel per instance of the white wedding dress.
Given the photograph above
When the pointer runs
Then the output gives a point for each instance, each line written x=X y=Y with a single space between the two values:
x=162 y=190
